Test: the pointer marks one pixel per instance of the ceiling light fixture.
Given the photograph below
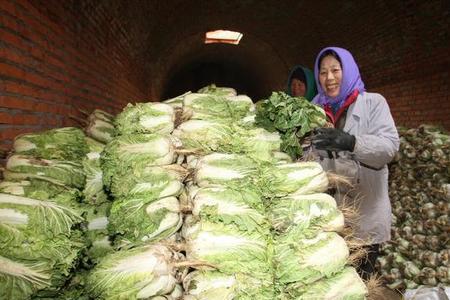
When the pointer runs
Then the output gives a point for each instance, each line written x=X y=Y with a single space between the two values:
x=223 y=36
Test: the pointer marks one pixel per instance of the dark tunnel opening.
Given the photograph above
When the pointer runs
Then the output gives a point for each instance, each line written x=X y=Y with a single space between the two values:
x=200 y=73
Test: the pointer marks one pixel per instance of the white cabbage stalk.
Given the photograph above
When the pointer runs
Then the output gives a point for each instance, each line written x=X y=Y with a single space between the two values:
x=307 y=212
x=176 y=294
x=138 y=273
x=99 y=223
x=167 y=118
x=342 y=286
x=23 y=145
x=249 y=120
x=10 y=216
x=218 y=168
x=160 y=286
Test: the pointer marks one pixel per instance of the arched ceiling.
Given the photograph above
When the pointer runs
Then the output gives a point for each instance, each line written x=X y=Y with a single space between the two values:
x=165 y=37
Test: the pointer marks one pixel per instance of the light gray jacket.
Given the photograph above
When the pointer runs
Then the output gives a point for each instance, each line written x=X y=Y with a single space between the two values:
x=370 y=121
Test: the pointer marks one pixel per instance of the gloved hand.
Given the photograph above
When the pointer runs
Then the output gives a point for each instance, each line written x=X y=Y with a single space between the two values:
x=333 y=139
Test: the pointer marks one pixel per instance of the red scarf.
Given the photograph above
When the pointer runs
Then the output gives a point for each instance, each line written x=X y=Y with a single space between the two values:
x=334 y=118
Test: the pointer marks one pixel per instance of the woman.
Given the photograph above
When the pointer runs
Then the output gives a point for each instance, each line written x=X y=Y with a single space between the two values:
x=360 y=146
x=301 y=83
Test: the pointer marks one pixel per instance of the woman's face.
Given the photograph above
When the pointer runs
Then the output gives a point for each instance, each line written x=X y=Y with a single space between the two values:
x=298 y=88
x=330 y=76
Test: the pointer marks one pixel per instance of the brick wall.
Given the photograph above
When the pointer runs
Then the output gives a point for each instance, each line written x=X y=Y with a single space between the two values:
x=406 y=58
x=53 y=63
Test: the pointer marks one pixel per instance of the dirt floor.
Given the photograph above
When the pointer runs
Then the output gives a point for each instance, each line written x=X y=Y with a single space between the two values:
x=387 y=294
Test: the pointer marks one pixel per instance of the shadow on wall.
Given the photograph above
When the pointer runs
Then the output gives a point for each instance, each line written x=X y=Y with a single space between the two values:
x=222 y=73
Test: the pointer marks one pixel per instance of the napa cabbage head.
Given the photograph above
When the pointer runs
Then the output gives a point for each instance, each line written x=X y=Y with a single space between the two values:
x=300 y=259
x=93 y=191
x=205 y=135
x=129 y=152
x=215 y=90
x=210 y=136
x=102 y=115
x=66 y=173
x=216 y=107
x=225 y=169
x=215 y=285
x=294 y=178
x=308 y=213
x=218 y=204
x=176 y=102
x=150 y=117
x=66 y=143
x=257 y=143
x=138 y=273
x=228 y=248
x=29 y=216
x=342 y=286
x=43 y=190
x=100 y=130
x=151 y=182
x=138 y=220
x=22 y=279
x=97 y=232
x=95 y=147
x=39 y=244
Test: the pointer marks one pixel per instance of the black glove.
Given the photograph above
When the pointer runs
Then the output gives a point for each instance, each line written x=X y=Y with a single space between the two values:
x=332 y=139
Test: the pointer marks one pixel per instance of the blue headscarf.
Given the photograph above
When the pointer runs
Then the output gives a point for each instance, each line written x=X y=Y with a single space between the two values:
x=351 y=79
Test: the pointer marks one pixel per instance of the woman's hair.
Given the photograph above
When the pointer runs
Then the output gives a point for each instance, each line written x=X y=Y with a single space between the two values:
x=299 y=74
x=326 y=53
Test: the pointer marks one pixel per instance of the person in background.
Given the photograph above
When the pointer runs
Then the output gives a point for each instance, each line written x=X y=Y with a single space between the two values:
x=361 y=144
x=301 y=83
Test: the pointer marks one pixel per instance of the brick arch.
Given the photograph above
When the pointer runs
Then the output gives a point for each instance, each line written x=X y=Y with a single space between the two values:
x=253 y=61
